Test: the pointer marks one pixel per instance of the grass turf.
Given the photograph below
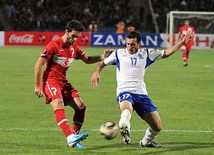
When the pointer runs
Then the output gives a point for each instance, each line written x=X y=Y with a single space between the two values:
x=183 y=95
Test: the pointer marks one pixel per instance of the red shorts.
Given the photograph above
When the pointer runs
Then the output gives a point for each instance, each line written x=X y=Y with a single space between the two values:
x=54 y=90
x=187 y=47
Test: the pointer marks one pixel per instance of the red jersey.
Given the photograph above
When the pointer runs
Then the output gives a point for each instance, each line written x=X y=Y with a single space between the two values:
x=59 y=57
x=186 y=29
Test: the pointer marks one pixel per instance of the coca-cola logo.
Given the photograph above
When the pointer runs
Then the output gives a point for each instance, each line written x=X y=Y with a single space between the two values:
x=26 y=38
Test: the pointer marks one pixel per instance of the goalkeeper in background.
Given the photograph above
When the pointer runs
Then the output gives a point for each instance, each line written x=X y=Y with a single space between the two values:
x=186 y=49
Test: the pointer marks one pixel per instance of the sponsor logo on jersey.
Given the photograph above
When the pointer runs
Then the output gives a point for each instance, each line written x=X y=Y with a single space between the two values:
x=63 y=61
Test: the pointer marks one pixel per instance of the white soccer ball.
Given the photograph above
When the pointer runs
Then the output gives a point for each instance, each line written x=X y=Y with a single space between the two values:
x=109 y=130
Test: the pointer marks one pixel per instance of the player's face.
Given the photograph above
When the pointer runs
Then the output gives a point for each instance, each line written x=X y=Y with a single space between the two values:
x=71 y=37
x=132 y=45
x=186 y=23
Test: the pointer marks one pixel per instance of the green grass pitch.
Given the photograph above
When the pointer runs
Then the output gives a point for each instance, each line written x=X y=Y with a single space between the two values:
x=183 y=95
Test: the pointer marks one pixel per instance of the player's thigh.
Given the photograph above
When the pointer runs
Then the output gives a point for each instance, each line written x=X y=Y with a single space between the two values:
x=126 y=105
x=125 y=101
x=71 y=97
x=154 y=120
x=52 y=91
x=143 y=104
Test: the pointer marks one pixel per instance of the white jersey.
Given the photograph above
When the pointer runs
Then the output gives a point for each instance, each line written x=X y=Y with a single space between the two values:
x=131 y=68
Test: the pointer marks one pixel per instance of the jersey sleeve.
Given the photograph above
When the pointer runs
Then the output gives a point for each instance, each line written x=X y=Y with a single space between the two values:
x=111 y=59
x=79 y=53
x=155 y=54
x=48 y=51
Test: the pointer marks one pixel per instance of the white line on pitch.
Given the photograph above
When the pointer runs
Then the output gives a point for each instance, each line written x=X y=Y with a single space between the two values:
x=209 y=66
x=56 y=129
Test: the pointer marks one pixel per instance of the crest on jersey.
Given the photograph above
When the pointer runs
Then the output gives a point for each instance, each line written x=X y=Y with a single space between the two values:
x=140 y=56
x=44 y=51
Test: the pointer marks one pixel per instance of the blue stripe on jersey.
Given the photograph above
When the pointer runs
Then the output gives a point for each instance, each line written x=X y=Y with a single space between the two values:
x=117 y=60
x=148 y=60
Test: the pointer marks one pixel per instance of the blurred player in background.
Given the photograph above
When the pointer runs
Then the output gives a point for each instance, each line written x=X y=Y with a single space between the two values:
x=120 y=27
x=130 y=28
x=92 y=27
x=132 y=95
x=58 y=55
x=186 y=49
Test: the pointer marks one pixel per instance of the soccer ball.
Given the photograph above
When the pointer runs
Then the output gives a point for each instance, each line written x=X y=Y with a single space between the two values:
x=109 y=130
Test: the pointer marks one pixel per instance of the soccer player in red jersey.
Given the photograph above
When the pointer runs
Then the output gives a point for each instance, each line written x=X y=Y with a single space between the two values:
x=186 y=49
x=58 y=55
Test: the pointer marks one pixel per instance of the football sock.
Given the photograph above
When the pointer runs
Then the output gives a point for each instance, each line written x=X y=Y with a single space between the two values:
x=187 y=56
x=78 y=119
x=125 y=118
x=184 y=56
x=62 y=121
x=149 y=136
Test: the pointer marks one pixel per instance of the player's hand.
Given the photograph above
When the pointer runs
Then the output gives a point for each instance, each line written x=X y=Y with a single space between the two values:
x=95 y=79
x=187 y=38
x=107 y=52
x=38 y=92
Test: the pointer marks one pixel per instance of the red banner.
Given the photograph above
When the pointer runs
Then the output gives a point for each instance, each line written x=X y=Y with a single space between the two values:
x=40 y=38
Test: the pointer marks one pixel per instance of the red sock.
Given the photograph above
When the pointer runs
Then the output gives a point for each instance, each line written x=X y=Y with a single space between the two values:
x=187 y=56
x=184 y=56
x=78 y=119
x=62 y=121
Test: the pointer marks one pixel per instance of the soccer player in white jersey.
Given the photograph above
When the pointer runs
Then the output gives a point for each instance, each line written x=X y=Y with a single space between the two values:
x=131 y=63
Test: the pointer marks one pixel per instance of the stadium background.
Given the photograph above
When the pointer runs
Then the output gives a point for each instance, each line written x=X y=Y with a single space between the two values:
x=183 y=95
x=50 y=15
x=36 y=22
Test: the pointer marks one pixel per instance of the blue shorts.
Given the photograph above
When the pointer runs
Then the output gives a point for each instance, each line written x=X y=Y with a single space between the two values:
x=142 y=104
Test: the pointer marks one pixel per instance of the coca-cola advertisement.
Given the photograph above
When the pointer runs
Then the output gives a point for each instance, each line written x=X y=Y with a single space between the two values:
x=40 y=38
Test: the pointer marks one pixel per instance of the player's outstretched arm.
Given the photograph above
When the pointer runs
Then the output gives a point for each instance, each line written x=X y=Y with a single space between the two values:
x=95 y=78
x=37 y=76
x=94 y=59
x=169 y=51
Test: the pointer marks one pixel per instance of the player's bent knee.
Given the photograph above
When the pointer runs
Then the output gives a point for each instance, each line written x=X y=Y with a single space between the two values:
x=82 y=107
x=57 y=104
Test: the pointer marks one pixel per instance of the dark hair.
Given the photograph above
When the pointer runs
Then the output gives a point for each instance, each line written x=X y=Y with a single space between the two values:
x=74 y=25
x=134 y=34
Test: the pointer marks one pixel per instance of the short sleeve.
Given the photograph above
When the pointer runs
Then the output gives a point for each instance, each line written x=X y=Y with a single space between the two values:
x=155 y=54
x=111 y=59
x=49 y=50
x=78 y=52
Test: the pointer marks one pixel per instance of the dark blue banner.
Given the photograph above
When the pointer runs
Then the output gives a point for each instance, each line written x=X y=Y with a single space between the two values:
x=112 y=39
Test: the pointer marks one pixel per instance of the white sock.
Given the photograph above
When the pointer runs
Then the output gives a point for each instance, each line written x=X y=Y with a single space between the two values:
x=149 y=136
x=125 y=118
